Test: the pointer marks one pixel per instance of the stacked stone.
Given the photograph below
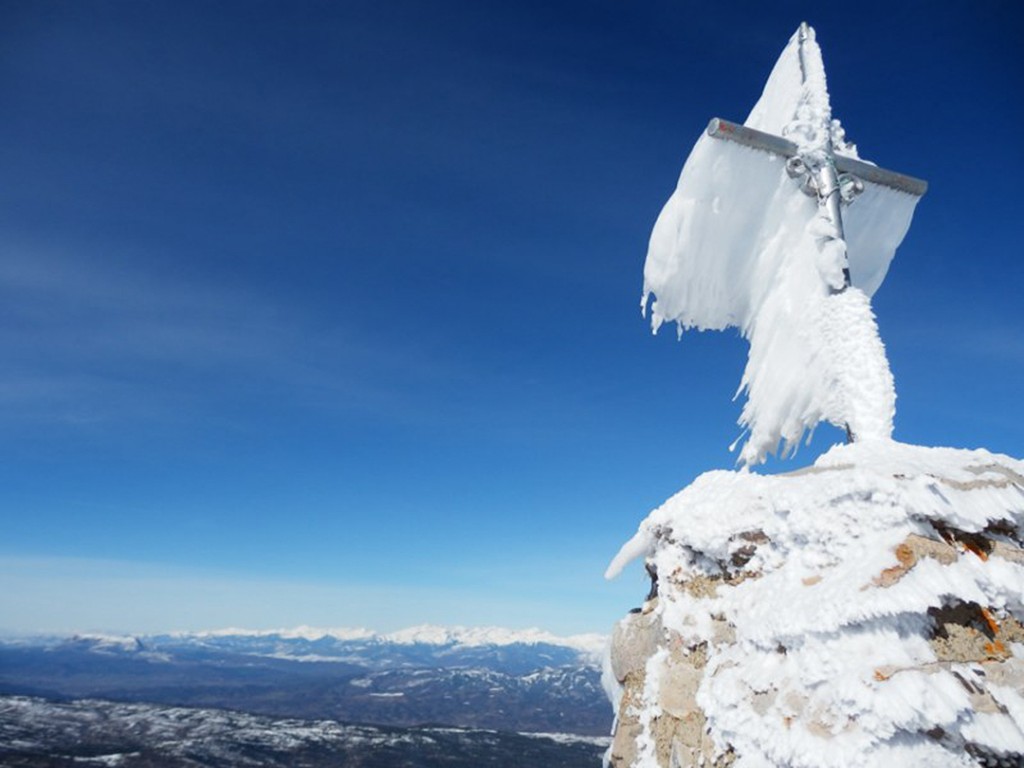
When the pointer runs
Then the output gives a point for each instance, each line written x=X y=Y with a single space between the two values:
x=662 y=668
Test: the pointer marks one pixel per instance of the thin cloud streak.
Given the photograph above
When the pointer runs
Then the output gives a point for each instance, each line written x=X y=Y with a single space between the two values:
x=87 y=342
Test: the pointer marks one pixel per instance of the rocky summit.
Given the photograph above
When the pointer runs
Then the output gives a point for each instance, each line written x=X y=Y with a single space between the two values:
x=866 y=610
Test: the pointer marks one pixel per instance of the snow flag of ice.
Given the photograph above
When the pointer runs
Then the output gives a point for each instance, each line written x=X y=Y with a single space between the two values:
x=784 y=234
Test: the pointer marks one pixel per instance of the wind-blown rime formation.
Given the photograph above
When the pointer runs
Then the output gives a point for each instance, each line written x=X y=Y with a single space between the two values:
x=737 y=245
x=866 y=611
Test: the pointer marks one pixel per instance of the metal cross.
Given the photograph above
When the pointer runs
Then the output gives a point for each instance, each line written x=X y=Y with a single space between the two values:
x=834 y=179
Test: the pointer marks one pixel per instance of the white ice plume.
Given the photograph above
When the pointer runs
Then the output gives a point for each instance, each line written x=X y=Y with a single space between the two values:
x=738 y=245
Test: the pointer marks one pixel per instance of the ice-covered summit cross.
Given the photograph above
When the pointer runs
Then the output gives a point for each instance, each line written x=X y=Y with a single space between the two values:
x=781 y=231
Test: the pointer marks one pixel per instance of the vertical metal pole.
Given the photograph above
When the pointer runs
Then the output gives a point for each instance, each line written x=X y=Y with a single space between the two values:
x=804 y=29
x=829 y=196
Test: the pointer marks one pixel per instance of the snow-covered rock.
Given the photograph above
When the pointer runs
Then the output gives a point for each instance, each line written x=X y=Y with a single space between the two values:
x=863 y=611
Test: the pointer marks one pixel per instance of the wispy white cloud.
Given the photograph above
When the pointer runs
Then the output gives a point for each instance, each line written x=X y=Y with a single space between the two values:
x=93 y=340
x=999 y=342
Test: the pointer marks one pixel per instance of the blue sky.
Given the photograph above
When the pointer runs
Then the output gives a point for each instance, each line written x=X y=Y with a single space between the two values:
x=328 y=313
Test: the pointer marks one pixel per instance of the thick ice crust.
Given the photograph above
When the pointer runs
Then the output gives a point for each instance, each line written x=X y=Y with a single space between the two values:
x=739 y=245
x=873 y=605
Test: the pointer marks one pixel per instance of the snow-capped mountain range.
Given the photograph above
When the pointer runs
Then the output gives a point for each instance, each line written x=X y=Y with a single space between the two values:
x=427 y=645
x=591 y=645
x=512 y=680
x=424 y=634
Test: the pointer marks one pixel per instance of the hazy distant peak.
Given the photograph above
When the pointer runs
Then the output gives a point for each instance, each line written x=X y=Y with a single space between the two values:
x=107 y=642
x=302 y=632
x=425 y=634
x=430 y=634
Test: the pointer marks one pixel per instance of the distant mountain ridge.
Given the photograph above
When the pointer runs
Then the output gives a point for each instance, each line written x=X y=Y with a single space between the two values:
x=510 y=680
x=425 y=634
x=511 y=651
x=591 y=644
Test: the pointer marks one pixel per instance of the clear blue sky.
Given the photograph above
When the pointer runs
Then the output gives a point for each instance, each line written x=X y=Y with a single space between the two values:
x=328 y=313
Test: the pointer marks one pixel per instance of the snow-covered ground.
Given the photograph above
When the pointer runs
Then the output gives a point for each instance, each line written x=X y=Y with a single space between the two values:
x=34 y=731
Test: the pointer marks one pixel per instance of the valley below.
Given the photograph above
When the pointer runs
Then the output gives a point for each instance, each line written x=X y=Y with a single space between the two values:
x=302 y=700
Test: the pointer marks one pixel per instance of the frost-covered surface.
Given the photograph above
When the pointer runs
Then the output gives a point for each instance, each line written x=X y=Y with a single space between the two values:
x=739 y=245
x=829 y=658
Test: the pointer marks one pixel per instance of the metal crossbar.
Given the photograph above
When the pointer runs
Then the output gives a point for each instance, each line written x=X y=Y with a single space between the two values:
x=749 y=137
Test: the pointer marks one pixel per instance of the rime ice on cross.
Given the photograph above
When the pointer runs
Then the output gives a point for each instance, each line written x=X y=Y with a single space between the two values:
x=781 y=231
